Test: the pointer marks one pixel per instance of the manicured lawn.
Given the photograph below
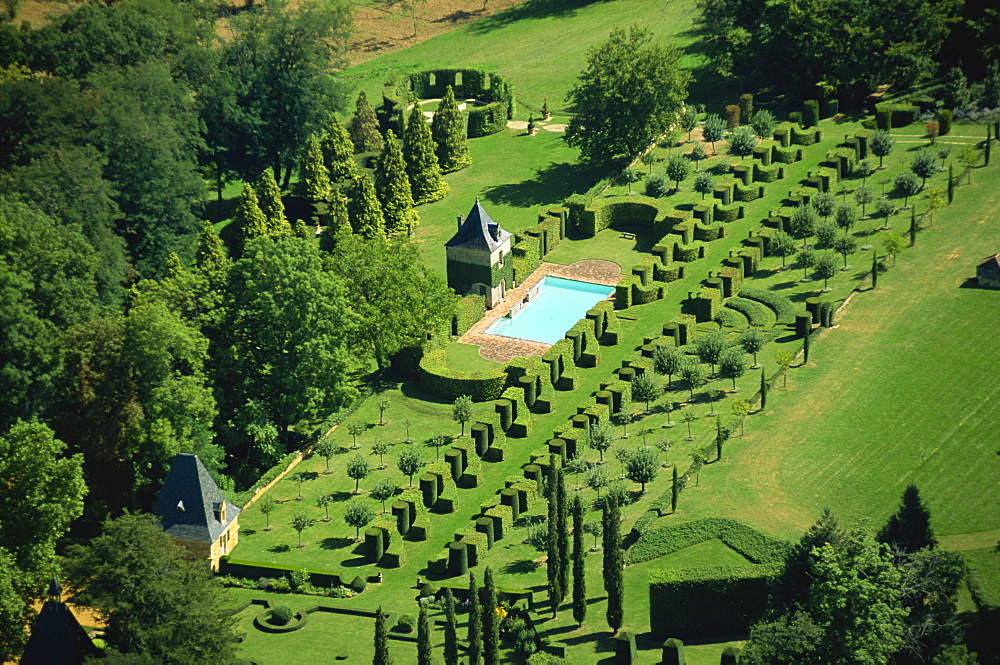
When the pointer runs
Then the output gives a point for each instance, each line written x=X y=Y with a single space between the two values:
x=903 y=390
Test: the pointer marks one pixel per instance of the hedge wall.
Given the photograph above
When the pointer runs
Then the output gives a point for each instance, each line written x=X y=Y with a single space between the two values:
x=600 y=214
x=439 y=379
x=468 y=311
x=256 y=570
x=701 y=603
x=755 y=546
x=757 y=314
x=485 y=86
x=782 y=306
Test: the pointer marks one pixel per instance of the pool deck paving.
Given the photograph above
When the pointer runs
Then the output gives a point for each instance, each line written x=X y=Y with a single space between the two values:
x=500 y=348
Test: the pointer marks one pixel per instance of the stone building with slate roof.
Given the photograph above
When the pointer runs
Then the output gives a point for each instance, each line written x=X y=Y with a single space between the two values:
x=988 y=272
x=193 y=511
x=57 y=638
x=479 y=259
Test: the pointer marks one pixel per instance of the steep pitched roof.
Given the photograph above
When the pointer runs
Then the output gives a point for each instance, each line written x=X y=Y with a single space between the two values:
x=990 y=266
x=478 y=231
x=189 y=502
x=57 y=638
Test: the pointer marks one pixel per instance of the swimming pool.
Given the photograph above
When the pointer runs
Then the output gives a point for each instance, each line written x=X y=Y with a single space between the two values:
x=559 y=304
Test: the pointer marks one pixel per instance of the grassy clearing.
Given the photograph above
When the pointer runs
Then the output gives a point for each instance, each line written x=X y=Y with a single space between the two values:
x=902 y=391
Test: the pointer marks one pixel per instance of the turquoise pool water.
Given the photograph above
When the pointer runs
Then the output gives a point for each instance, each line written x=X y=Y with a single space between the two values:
x=559 y=304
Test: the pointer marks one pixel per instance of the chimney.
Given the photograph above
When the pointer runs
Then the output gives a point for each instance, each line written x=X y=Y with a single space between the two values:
x=459 y=218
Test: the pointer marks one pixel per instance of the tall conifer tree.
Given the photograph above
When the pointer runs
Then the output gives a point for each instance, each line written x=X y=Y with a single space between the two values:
x=249 y=218
x=393 y=188
x=269 y=196
x=381 y=639
x=612 y=538
x=675 y=491
x=579 y=571
x=210 y=257
x=450 y=629
x=426 y=183
x=363 y=128
x=424 y=652
x=491 y=621
x=338 y=151
x=475 y=623
x=554 y=559
x=339 y=224
x=449 y=132
x=314 y=179
x=616 y=591
x=562 y=531
x=364 y=210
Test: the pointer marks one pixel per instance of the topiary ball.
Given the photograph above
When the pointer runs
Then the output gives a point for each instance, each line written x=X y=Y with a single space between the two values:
x=281 y=615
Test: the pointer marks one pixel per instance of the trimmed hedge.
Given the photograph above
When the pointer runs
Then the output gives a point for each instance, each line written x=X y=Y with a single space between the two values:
x=757 y=547
x=486 y=86
x=700 y=603
x=782 y=306
x=757 y=314
x=468 y=311
x=439 y=379
x=600 y=214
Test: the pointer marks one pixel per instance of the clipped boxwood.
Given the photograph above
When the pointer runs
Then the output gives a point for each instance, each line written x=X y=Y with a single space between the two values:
x=757 y=314
x=756 y=546
x=782 y=306
x=439 y=379
x=702 y=603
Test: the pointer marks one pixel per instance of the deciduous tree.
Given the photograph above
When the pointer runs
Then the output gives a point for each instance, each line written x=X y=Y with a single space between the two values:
x=882 y=145
x=627 y=95
x=154 y=600
x=678 y=169
x=600 y=436
x=645 y=388
x=358 y=514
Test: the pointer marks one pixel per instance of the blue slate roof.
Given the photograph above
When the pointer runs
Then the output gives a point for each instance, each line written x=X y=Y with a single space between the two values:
x=188 y=505
x=57 y=638
x=478 y=231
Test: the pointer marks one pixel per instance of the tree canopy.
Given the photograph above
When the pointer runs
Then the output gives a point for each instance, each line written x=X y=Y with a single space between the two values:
x=628 y=95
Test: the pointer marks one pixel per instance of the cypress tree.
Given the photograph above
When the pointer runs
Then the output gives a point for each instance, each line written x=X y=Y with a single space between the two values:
x=675 y=492
x=424 y=653
x=269 y=197
x=986 y=154
x=363 y=128
x=612 y=540
x=393 y=188
x=450 y=629
x=426 y=183
x=381 y=639
x=909 y=528
x=449 y=132
x=562 y=531
x=491 y=621
x=314 y=179
x=579 y=571
x=475 y=623
x=763 y=390
x=249 y=218
x=554 y=560
x=614 y=583
x=951 y=183
x=364 y=210
x=913 y=226
x=874 y=269
x=718 y=438
x=338 y=151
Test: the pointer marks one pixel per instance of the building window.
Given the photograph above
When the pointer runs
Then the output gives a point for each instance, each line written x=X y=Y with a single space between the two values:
x=482 y=290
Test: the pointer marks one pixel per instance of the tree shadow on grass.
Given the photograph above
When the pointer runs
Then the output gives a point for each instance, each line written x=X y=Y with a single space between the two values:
x=532 y=9
x=553 y=182
x=521 y=567
x=335 y=543
x=280 y=549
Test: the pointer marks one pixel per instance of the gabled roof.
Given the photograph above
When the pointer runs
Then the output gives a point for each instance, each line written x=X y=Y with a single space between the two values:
x=57 y=638
x=478 y=231
x=188 y=505
x=991 y=264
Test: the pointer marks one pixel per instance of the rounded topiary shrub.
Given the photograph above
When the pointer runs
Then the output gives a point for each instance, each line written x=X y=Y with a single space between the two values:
x=281 y=615
x=404 y=624
x=359 y=584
